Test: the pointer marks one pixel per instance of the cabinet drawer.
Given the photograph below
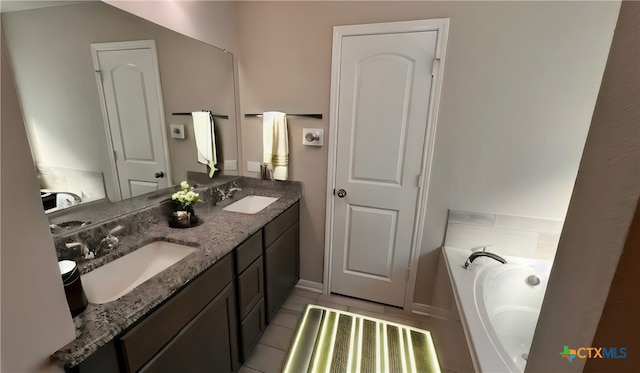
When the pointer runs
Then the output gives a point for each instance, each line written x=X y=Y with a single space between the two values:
x=147 y=338
x=250 y=287
x=248 y=251
x=252 y=328
x=279 y=225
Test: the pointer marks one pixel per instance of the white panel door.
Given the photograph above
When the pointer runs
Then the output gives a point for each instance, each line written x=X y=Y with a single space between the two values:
x=132 y=99
x=384 y=88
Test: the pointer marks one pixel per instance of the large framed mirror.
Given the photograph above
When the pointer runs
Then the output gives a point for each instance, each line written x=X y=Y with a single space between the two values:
x=51 y=57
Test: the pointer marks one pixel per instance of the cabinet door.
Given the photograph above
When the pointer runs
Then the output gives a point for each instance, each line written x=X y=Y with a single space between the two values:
x=251 y=329
x=148 y=337
x=105 y=360
x=281 y=269
x=207 y=344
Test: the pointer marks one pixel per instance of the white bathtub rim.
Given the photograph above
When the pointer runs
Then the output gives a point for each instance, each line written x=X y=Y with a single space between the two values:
x=486 y=355
x=480 y=345
x=480 y=278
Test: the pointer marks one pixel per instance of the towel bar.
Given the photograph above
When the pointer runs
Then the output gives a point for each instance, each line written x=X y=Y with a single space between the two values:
x=214 y=115
x=315 y=116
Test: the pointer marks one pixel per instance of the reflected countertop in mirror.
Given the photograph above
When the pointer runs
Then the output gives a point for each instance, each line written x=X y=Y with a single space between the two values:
x=50 y=53
x=72 y=219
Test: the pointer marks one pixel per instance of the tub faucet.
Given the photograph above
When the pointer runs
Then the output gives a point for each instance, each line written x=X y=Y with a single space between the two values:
x=478 y=254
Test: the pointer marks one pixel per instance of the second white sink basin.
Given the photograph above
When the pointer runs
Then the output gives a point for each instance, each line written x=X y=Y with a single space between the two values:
x=250 y=204
x=117 y=278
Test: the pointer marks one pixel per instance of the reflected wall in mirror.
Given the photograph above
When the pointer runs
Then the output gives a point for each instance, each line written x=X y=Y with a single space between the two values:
x=50 y=54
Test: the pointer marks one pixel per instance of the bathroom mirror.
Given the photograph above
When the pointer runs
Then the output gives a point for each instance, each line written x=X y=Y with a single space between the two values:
x=50 y=53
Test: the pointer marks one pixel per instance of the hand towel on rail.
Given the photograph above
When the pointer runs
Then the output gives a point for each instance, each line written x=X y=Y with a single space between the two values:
x=275 y=143
x=205 y=139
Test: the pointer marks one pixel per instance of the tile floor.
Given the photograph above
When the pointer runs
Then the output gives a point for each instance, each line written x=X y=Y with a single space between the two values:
x=271 y=351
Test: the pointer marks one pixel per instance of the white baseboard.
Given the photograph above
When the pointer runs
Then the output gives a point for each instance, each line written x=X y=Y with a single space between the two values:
x=427 y=310
x=316 y=287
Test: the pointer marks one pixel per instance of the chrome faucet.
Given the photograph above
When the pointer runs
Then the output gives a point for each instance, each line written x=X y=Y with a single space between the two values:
x=110 y=240
x=487 y=254
x=229 y=193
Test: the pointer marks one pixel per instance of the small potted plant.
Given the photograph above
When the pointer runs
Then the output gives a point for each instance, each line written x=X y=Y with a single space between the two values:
x=185 y=198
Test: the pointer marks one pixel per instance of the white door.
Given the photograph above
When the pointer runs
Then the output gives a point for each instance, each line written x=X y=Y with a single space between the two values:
x=382 y=111
x=129 y=82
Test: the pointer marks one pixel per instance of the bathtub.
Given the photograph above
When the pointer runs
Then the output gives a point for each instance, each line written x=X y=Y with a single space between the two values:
x=499 y=306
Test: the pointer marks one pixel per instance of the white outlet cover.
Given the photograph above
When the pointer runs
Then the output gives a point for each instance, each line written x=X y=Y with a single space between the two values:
x=230 y=165
x=253 y=166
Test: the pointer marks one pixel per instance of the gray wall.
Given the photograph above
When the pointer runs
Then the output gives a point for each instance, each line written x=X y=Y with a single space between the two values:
x=520 y=83
x=35 y=317
x=600 y=213
x=210 y=21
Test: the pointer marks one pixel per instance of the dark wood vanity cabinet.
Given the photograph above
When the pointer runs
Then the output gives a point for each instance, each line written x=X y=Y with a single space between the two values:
x=204 y=344
x=214 y=322
x=196 y=330
x=267 y=265
x=281 y=258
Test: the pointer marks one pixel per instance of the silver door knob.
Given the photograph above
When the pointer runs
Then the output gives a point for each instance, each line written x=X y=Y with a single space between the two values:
x=159 y=175
x=342 y=193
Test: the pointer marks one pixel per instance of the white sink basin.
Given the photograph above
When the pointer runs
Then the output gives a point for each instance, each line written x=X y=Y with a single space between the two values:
x=117 y=278
x=250 y=204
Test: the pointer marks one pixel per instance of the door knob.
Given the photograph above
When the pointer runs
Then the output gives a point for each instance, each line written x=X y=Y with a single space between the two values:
x=159 y=175
x=342 y=193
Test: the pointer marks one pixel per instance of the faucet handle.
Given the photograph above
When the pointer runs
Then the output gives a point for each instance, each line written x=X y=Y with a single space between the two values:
x=117 y=229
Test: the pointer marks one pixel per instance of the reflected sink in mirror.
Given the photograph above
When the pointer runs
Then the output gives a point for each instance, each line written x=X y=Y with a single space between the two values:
x=117 y=278
x=250 y=204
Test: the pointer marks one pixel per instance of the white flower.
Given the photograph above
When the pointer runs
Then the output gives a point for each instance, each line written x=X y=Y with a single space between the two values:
x=186 y=196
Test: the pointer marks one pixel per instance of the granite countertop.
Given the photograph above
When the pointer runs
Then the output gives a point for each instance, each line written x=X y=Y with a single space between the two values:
x=217 y=235
x=100 y=210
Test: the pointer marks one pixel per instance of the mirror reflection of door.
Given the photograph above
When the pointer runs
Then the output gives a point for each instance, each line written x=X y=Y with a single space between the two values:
x=128 y=80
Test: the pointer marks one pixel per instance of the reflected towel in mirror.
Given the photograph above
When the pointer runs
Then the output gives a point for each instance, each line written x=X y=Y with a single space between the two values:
x=205 y=139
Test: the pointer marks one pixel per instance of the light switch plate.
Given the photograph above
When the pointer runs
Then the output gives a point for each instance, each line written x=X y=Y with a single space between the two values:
x=230 y=165
x=313 y=136
x=177 y=131
x=253 y=166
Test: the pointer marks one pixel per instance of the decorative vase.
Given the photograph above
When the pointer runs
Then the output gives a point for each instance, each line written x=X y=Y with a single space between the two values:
x=183 y=218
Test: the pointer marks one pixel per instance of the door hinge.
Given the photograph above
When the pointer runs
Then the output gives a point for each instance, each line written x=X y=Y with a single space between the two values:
x=419 y=181
x=435 y=66
x=115 y=156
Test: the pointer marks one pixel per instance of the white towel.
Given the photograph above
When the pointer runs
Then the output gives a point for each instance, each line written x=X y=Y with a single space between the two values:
x=275 y=144
x=205 y=139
